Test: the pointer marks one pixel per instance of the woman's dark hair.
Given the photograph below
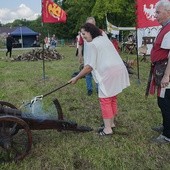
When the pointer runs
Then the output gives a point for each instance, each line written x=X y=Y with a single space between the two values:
x=92 y=29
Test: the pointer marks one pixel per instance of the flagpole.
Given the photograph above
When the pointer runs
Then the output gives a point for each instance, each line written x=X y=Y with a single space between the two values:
x=137 y=56
x=47 y=17
x=43 y=68
x=43 y=43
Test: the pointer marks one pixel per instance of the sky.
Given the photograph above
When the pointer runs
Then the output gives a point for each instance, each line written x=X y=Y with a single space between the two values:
x=11 y=10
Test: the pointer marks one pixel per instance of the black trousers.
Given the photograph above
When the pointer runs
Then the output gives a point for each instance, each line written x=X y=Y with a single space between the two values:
x=9 y=50
x=164 y=105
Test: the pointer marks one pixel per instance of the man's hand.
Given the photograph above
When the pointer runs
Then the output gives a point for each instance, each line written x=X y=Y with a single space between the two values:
x=165 y=81
x=81 y=59
x=80 y=54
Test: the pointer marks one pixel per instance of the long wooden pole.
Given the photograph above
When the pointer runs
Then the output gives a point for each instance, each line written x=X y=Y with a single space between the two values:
x=137 y=56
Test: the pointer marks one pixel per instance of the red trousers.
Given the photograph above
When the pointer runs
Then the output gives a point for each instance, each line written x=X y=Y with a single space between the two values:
x=108 y=107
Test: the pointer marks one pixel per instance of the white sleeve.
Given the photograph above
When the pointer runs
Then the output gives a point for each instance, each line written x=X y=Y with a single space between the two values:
x=92 y=55
x=166 y=41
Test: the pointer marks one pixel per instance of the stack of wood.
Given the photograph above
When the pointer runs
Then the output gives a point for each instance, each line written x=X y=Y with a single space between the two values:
x=39 y=54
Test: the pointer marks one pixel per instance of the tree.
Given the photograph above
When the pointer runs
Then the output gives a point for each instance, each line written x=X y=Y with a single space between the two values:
x=118 y=12
x=78 y=11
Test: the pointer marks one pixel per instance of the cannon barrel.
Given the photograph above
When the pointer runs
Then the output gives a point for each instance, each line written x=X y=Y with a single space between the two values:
x=9 y=111
x=43 y=122
x=12 y=120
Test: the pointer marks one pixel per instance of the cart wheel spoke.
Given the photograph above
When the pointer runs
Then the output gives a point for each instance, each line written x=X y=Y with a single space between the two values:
x=14 y=147
x=13 y=129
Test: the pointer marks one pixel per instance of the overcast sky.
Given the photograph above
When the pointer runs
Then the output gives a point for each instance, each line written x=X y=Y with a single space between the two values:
x=11 y=10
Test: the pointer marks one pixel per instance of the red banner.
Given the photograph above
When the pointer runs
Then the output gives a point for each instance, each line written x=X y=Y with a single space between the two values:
x=52 y=13
x=145 y=10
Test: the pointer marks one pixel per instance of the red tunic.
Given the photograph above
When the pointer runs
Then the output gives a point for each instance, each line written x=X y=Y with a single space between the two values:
x=157 y=54
x=81 y=41
x=116 y=44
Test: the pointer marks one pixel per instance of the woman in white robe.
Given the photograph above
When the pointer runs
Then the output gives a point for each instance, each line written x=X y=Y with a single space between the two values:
x=108 y=71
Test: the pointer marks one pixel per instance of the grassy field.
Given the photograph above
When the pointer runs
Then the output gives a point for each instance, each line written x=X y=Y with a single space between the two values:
x=129 y=148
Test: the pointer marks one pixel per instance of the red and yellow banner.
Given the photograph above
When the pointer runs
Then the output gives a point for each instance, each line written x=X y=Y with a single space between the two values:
x=52 y=12
x=145 y=10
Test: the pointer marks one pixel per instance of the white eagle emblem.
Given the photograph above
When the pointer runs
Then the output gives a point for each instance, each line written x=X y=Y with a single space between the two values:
x=149 y=12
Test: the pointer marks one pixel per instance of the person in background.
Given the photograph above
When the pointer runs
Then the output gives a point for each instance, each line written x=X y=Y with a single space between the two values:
x=77 y=42
x=37 y=41
x=160 y=52
x=115 y=42
x=53 y=42
x=108 y=71
x=9 y=44
x=47 y=42
x=83 y=53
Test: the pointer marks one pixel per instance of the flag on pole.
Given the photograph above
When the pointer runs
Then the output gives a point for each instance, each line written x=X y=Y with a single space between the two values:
x=145 y=10
x=52 y=12
x=111 y=28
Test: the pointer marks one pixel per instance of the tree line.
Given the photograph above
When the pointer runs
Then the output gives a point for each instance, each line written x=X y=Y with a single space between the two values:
x=118 y=12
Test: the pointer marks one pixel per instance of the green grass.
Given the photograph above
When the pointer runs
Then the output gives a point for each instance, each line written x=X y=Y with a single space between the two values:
x=128 y=149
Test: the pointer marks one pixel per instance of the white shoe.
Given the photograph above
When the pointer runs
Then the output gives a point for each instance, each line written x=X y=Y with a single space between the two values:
x=161 y=139
x=167 y=139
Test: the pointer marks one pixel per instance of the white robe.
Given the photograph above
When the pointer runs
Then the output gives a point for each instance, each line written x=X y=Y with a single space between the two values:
x=109 y=70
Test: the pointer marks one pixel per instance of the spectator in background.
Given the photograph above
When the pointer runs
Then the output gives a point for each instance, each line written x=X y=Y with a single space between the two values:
x=115 y=42
x=83 y=53
x=77 y=42
x=9 y=44
x=53 y=42
x=37 y=41
x=34 y=44
x=47 y=42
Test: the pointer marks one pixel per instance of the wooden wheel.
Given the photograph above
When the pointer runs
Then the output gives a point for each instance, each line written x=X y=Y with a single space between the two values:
x=6 y=104
x=14 y=147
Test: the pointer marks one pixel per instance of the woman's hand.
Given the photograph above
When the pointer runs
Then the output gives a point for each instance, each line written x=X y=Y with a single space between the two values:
x=73 y=80
x=87 y=69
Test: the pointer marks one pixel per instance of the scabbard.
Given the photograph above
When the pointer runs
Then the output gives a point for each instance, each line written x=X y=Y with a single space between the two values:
x=149 y=81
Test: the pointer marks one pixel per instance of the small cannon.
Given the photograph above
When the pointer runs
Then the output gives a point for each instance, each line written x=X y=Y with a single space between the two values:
x=15 y=130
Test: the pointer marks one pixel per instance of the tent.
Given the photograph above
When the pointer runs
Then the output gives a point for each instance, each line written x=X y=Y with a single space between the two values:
x=148 y=33
x=24 y=36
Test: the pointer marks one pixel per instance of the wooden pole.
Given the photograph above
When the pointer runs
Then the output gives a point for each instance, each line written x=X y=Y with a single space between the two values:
x=137 y=55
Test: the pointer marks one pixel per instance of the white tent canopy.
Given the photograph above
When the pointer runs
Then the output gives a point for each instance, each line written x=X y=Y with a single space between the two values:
x=147 y=32
x=143 y=32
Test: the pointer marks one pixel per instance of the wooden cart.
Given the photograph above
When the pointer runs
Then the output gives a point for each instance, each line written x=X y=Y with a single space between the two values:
x=15 y=130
